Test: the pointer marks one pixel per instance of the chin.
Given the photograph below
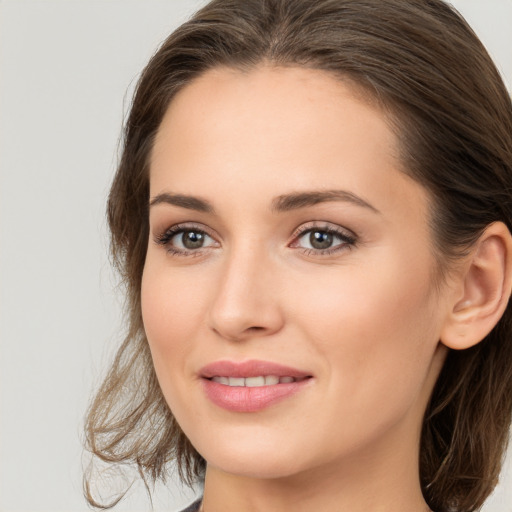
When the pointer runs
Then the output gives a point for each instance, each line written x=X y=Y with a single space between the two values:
x=246 y=458
x=264 y=468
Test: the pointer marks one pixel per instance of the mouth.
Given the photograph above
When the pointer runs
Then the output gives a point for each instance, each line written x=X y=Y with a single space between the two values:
x=259 y=381
x=251 y=386
x=252 y=373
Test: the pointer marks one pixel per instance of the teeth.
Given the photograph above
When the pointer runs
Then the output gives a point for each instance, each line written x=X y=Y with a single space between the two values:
x=251 y=382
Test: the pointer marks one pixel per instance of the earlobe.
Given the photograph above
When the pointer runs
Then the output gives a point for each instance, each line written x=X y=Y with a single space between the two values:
x=485 y=284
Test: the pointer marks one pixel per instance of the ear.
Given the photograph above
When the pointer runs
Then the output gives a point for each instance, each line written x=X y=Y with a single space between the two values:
x=482 y=289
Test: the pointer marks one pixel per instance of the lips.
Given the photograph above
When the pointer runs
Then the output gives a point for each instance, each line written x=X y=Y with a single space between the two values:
x=253 y=368
x=252 y=382
x=250 y=386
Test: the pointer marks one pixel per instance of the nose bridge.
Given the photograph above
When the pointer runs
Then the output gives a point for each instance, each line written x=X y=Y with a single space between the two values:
x=246 y=301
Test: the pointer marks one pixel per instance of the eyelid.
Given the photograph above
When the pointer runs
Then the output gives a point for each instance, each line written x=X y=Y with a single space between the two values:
x=347 y=236
x=323 y=226
x=182 y=226
x=164 y=237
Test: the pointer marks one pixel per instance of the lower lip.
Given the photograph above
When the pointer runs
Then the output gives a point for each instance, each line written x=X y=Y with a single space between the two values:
x=250 y=399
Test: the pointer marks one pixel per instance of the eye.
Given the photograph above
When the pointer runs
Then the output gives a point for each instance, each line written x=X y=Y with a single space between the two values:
x=185 y=241
x=319 y=239
x=191 y=239
x=323 y=240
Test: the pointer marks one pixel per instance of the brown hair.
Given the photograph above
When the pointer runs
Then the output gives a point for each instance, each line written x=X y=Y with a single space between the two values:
x=421 y=61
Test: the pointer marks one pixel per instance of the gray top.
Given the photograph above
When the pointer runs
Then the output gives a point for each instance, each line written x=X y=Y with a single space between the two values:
x=194 y=507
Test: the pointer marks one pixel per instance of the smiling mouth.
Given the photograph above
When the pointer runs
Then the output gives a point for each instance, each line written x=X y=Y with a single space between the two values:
x=254 y=393
x=258 y=381
x=251 y=385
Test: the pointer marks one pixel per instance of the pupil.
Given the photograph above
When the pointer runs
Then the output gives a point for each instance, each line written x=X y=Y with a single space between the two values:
x=192 y=239
x=320 y=239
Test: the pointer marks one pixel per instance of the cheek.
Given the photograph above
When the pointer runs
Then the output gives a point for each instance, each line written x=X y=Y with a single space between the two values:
x=171 y=312
x=367 y=302
x=375 y=327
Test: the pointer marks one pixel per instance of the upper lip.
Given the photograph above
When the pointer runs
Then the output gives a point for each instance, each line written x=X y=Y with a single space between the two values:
x=252 y=368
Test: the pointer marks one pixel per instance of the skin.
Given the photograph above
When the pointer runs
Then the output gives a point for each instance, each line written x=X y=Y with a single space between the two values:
x=365 y=321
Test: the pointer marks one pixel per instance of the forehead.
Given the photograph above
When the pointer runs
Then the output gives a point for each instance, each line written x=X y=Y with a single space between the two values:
x=257 y=114
x=267 y=87
x=250 y=136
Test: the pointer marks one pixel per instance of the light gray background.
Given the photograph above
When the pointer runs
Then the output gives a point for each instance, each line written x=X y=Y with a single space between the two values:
x=67 y=72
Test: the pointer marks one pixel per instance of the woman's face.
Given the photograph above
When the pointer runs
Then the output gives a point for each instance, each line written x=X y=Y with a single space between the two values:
x=288 y=293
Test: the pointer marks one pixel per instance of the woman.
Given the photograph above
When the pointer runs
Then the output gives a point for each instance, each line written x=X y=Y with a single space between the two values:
x=312 y=216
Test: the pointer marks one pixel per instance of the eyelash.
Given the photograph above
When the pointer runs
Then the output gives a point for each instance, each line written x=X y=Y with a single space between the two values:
x=348 y=239
x=166 y=237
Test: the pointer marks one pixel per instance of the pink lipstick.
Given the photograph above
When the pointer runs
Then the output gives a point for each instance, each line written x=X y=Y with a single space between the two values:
x=250 y=386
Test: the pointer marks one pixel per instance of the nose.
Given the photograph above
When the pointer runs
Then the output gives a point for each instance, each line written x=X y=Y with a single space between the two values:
x=246 y=303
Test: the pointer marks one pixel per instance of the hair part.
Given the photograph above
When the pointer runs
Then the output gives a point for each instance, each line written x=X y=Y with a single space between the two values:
x=421 y=62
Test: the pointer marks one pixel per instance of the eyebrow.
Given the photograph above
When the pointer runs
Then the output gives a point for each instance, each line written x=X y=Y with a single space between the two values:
x=282 y=203
x=184 y=201
x=298 y=200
